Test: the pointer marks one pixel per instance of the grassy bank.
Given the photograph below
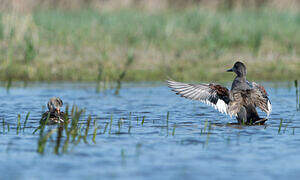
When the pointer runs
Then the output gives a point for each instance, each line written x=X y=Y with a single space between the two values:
x=189 y=44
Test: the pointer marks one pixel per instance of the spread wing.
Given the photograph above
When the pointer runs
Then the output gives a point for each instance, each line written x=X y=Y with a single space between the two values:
x=260 y=98
x=211 y=94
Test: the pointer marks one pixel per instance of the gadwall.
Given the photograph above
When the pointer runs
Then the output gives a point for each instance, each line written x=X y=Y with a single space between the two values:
x=54 y=112
x=241 y=101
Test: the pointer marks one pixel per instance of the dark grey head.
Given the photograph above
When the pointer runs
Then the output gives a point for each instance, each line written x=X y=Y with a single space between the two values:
x=239 y=68
x=55 y=104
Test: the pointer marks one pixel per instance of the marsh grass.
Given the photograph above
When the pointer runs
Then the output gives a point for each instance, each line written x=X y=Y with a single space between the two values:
x=137 y=120
x=208 y=135
x=173 y=132
x=95 y=131
x=71 y=132
x=82 y=128
x=18 y=127
x=285 y=128
x=280 y=125
x=143 y=120
x=297 y=95
x=8 y=85
x=18 y=124
x=43 y=139
x=110 y=124
x=26 y=119
x=58 y=139
x=167 y=122
x=87 y=126
x=3 y=125
x=64 y=138
x=129 y=129
x=8 y=128
x=119 y=126
x=205 y=126
x=135 y=45
x=105 y=128
x=129 y=61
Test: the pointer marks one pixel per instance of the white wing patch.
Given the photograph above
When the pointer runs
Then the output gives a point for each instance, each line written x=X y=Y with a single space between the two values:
x=221 y=106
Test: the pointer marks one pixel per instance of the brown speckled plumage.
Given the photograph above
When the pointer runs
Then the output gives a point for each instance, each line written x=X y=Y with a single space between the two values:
x=55 y=115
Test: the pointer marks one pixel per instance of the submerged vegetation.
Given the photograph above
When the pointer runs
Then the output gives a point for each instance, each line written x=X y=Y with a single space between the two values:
x=136 y=45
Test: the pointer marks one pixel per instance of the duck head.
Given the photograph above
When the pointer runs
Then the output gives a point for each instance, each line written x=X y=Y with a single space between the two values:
x=239 y=68
x=55 y=104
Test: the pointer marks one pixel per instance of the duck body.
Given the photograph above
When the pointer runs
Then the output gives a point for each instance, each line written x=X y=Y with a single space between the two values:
x=240 y=92
x=241 y=100
x=243 y=94
x=245 y=107
x=55 y=115
x=54 y=118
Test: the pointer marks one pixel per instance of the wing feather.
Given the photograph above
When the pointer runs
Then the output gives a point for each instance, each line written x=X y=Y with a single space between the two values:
x=211 y=94
x=260 y=98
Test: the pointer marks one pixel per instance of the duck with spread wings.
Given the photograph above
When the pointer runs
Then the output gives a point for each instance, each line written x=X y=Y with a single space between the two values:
x=241 y=101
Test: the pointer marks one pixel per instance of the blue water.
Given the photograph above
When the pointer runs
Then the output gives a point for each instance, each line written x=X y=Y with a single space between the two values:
x=154 y=150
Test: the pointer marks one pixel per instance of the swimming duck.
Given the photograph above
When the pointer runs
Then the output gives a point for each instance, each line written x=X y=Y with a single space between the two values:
x=241 y=101
x=56 y=116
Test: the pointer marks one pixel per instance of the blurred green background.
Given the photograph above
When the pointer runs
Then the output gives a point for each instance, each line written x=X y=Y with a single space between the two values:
x=150 y=40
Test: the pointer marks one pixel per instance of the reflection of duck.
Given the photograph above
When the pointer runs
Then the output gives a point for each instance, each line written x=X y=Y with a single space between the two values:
x=56 y=116
x=241 y=101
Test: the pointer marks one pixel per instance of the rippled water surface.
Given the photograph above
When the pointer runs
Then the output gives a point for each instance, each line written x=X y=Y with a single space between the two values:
x=194 y=143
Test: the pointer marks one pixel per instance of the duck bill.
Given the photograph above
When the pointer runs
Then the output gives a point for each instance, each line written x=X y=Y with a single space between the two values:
x=229 y=70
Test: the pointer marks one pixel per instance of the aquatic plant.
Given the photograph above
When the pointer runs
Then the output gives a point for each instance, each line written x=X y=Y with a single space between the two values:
x=297 y=96
x=208 y=134
x=293 y=131
x=84 y=128
x=106 y=125
x=143 y=120
x=129 y=61
x=74 y=131
x=18 y=124
x=173 y=132
x=95 y=132
x=280 y=125
x=3 y=125
x=205 y=125
x=25 y=122
x=110 y=124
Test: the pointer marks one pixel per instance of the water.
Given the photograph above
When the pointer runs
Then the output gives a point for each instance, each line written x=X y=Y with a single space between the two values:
x=152 y=150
